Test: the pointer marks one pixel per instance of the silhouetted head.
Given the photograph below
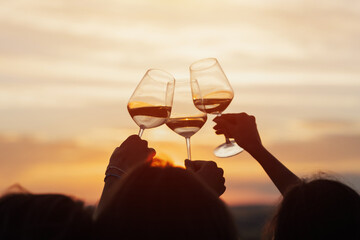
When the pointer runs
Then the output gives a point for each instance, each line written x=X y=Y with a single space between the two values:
x=319 y=209
x=164 y=203
x=42 y=216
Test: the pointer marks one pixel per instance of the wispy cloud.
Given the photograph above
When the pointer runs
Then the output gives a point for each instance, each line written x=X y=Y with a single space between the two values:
x=273 y=37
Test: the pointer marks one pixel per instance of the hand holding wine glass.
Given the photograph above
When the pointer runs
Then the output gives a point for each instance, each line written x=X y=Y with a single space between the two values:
x=150 y=104
x=213 y=95
x=185 y=118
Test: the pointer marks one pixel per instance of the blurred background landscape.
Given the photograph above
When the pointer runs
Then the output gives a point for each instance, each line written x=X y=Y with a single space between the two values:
x=68 y=68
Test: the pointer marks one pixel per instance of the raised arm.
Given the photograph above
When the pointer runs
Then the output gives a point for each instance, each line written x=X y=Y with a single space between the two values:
x=132 y=152
x=243 y=129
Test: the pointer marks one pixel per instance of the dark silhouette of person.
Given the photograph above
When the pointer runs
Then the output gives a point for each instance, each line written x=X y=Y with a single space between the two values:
x=143 y=201
x=43 y=216
x=311 y=209
x=318 y=209
x=163 y=202
x=134 y=152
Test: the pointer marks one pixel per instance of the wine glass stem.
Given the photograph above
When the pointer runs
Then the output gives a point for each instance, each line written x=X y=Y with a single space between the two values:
x=188 y=147
x=141 y=130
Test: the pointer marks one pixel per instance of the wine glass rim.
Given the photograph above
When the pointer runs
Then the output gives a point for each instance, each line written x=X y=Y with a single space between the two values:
x=214 y=62
x=159 y=70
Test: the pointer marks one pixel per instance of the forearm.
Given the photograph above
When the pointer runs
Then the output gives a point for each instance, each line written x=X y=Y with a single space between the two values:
x=107 y=193
x=280 y=175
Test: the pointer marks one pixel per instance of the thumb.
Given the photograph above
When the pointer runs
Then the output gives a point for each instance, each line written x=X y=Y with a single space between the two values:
x=189 y=165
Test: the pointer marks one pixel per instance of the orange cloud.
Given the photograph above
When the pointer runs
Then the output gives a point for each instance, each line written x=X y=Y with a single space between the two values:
x=66 y=167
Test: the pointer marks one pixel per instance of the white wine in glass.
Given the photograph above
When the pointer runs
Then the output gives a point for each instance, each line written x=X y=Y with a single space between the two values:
x=185 y=118
x=150 y=104
x=213 y=96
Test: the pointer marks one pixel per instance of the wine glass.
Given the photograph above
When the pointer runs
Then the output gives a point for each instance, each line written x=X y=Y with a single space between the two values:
x=150 y=104
x=213 y=96
x=185 y=118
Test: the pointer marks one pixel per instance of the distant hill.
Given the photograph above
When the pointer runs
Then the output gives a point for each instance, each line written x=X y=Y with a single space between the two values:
x=250 y=220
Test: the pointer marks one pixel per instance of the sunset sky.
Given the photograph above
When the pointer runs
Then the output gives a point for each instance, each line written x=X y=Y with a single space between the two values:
x=68 y=68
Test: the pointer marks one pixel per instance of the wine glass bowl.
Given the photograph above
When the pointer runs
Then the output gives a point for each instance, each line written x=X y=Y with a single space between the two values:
x=213 y=102
x=185 y=118
x=215 y=92
x=151 y=102
x=148 y=115
x=213 y=95
x=186 y=126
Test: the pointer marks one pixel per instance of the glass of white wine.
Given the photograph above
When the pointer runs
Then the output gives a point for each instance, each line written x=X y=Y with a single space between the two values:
x=213 y=96
x=185 y=118
x=151 y=102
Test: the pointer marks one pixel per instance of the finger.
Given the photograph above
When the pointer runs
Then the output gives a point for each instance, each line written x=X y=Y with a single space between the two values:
x=149 y=159
x=133 y=137
x=144 y=143
x=225 y=123
x=218 y=118
x=221 y=171
x=222 y=180
x=220 y=122
x=210 y=164
x=223 y=131
x=199 y=164
x=225 y=115
x=218 y=127
x=222 y=190
x=243 y=114
x=232 y=117
x=218 y=132
x=131 y=140
x=151 y=152
x=252 y=118
x=189 y=165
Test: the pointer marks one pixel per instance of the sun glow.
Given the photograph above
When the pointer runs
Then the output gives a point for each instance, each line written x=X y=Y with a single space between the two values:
x=68 y=68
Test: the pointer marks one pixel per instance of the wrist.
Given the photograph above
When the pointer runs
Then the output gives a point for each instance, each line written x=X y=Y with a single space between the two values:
x=113 y=172
x=113 y=168
x=255 y=149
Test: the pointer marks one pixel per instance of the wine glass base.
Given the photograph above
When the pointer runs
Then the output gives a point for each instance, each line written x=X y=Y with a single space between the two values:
x=227 y=150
